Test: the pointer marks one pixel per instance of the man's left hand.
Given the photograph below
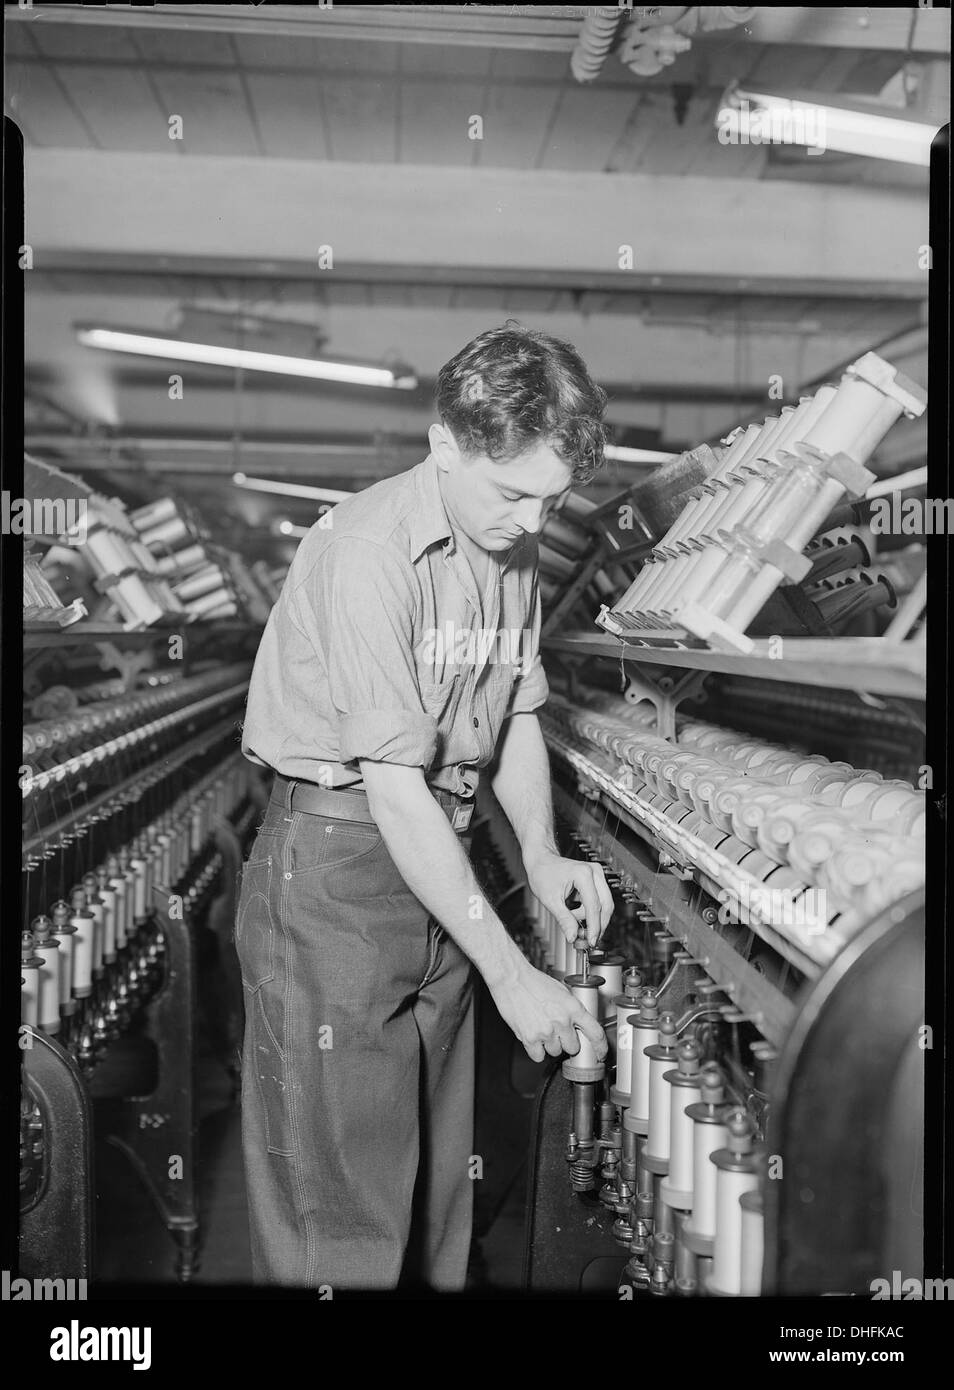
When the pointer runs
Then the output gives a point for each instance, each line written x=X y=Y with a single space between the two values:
x=552 y=880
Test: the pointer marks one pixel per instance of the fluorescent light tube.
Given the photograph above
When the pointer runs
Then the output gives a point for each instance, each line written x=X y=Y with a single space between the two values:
x=215 y=355
x=320 y=494
x=761 y=118
x=616 y=451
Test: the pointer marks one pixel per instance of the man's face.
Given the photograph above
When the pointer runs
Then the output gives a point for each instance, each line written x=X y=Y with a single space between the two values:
x=495 y=504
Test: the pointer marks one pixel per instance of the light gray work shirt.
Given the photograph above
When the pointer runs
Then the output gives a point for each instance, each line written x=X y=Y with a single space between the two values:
x=380 y=647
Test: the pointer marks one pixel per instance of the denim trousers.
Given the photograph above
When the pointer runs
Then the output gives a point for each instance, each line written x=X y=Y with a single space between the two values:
x=357 y=1065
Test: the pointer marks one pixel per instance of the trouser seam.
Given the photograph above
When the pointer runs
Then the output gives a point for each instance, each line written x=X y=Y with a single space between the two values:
x=291 y=1090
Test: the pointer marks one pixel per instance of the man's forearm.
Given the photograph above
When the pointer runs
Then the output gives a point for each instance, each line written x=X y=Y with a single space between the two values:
x=434 y=866
x=522 y=785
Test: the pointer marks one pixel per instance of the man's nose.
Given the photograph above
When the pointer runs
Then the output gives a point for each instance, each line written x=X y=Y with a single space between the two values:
x=530 y=515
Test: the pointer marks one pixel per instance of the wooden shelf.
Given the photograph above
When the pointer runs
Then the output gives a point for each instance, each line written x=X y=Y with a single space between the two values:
x=38 y=635
x=844 y=663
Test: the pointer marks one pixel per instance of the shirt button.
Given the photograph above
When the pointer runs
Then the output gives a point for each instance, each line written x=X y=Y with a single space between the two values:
x=476 y=722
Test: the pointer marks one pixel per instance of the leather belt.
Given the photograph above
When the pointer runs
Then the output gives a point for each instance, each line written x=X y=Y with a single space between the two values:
x=351 y=803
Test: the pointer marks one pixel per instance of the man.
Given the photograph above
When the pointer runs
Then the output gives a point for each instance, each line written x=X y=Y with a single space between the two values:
x=380 y=690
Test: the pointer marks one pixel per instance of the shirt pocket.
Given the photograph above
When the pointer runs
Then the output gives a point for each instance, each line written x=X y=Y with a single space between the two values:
x=445 y=702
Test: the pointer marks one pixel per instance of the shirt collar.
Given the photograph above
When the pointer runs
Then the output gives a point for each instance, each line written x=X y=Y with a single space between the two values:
x=429 y=522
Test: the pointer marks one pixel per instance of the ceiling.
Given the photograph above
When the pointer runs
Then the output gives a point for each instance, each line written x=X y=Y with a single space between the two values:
x=357 y=117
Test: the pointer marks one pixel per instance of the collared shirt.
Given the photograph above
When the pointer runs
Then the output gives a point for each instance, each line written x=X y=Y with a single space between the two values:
x=380 y=646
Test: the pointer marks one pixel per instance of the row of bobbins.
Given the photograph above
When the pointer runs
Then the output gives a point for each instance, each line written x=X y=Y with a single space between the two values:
x=848 y=831
x=67 y=954
x=687 y=1155
x=774 y=487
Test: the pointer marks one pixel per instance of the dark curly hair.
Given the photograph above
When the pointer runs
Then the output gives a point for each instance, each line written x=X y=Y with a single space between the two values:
x=512 y=388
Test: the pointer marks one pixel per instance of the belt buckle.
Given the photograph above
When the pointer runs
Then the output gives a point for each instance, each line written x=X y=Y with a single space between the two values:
x=462 y=817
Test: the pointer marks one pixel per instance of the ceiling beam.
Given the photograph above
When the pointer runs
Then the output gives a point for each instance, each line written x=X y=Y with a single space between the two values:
x=258 y=279
x=553 y=28
x=93 y=202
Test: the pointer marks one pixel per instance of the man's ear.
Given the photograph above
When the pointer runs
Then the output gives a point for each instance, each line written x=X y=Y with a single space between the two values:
x=443 y=446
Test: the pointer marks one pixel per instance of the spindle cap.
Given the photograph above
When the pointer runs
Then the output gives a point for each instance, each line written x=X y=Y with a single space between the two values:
x=667 y=1028
x=713 y=1091
x=42 y=929
x=739 y=1141
x=688 y=1057
x=648 y=1012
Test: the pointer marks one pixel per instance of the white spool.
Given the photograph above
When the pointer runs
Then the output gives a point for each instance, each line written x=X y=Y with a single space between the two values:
x=130 y=925
x=706 y=1138
x=753 y=1245
x=29 y=994
x=153 y=513
x=82 y=984
x=119 y=886
x=108 y=896
x=203 y=582
x=681 y=1170
x=109 y=552
x=727 y=1251
x=138 y=867
x=657 y=1142
x=624 y=1047
x=643 y=1036
x=49 y=986
x=587 y=994
x=167 y=532
x=218 y=602
x=99 y=934
x=612 y=973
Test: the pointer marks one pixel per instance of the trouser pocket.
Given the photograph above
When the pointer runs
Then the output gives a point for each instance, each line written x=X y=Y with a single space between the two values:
x=264 y=1058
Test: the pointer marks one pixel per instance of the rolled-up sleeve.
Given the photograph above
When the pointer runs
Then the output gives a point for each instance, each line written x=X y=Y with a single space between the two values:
x=361 y=599
x=530 y=689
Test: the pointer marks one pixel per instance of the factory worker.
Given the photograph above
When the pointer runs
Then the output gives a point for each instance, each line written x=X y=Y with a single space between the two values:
x=400 y=661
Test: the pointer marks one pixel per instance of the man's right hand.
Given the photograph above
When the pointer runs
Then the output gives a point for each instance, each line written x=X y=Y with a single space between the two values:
x=544 y=1014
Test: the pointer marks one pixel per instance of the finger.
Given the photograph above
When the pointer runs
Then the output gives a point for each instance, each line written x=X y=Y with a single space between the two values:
x=591 y=904
x=570 y=1041
x=569 y=925
x=534 y=1051
x=606 y=901
x=554 y=1046
x=590 y=1028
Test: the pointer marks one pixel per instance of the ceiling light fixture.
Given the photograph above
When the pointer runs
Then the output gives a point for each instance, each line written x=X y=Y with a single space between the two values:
x=168 y=346
x=288 y=528
x=319 y=494
x=762 y=118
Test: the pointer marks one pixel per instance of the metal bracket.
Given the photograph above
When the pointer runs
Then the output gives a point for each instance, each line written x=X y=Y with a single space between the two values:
x=665 y=693
x=128 y=664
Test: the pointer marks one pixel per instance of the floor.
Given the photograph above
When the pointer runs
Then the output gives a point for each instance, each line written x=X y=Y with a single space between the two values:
x=132 y=1245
